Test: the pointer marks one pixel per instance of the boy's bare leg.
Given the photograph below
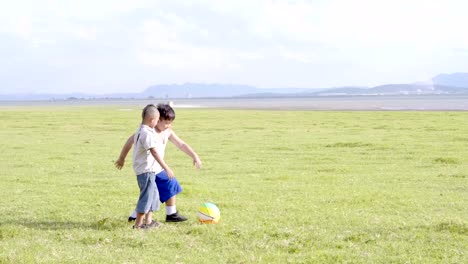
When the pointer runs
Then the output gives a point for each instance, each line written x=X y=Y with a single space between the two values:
x=149 y=218
x=139 y=219
x=171 y=201
x=171 y=206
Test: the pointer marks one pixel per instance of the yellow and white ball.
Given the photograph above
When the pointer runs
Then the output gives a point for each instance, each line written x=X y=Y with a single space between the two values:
x=208 y=213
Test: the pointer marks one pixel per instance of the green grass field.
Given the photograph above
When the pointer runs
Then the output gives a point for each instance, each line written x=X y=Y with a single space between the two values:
x=292 y=187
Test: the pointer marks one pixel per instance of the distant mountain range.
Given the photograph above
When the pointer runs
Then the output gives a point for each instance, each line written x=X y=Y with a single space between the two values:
x=442 y=84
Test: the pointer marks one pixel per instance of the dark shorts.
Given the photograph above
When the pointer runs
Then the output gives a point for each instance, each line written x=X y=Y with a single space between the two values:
x=167 y=188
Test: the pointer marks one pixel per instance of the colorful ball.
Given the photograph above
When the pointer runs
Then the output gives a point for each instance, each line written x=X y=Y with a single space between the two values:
x=208 y=213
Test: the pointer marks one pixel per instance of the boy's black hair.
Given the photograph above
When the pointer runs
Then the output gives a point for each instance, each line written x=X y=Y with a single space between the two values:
x=166 y=112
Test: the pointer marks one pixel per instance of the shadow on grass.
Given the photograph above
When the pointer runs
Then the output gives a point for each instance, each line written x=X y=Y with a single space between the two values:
x=103 y=224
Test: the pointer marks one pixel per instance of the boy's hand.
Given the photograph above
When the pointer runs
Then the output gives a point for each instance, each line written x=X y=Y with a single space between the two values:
x=197 y=163
x=170 y=174
x=119 y=163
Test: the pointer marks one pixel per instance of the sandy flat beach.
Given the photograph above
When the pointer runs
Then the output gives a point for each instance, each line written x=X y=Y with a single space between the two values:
x=376 y=103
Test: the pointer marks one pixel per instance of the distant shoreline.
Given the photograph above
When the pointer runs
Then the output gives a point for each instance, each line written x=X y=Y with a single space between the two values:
x=377 y=103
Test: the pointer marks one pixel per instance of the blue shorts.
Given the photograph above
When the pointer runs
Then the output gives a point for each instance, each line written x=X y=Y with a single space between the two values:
x=148 y=200
x=167 y=188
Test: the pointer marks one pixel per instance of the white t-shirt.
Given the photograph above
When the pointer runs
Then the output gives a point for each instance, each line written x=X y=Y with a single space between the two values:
x=143 y=161
x=161 y=143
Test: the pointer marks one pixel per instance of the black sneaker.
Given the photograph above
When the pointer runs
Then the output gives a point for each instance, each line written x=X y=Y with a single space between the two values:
x=175 y=217
x=131 y=219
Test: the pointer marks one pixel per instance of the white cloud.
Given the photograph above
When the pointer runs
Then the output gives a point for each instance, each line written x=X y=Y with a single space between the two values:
x=162 y=45
x=284 y=20
x=388 y=22
x=186 y=58
x=296 y=55
x=255 y=42
x=250 y=56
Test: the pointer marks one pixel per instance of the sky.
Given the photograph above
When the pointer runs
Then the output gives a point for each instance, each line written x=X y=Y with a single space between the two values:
x=113 y=46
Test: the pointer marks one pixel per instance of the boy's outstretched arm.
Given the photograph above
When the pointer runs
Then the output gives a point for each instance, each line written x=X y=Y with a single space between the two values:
x=123 y=153
x=186 y=149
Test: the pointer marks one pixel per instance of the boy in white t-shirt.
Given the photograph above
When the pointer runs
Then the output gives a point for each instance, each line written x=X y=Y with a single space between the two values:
x=168 y=186
x=146 y=162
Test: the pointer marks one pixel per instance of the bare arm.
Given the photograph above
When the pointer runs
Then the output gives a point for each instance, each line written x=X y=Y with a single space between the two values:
x=123 y=153
x=185 y=148
x=161 y=162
